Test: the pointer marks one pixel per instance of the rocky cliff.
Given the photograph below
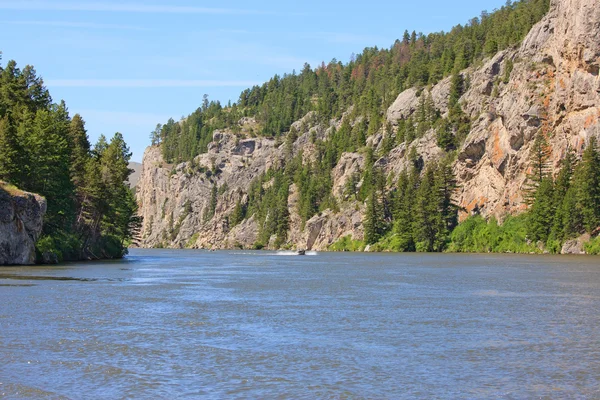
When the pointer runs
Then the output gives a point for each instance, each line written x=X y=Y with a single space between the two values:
x=21 y=216
x=550 y=83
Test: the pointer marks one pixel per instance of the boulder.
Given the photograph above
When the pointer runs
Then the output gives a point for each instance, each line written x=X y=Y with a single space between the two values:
x=21 y=218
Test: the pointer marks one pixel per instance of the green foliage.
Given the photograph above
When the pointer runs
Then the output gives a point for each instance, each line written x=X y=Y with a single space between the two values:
x=476 y=235
x=43 y=150
x=587 y=179
x=417 y=213
x=346 y=243
x=561 y=209
x=539 y=155
x=542 y=212
x=377 y=217
x=508 y=68
x=212 y=205
x=268 y=202
x=238 y=214
x=370 y=82
x=192 y=240
x=593 y=246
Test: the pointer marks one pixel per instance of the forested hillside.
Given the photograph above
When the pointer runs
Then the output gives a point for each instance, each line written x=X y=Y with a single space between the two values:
x=369 y=83
x=393 y=148
x=46 y=151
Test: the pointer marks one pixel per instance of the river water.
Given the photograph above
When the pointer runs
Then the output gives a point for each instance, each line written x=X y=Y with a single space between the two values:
x=197 y=324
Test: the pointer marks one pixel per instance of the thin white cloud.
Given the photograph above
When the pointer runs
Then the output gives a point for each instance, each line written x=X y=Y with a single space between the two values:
x=35 y=5
x=146 y=83
x=71 y=24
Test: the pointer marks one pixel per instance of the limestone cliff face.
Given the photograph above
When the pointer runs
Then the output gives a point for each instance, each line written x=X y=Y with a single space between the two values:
x=175 y=200
x=21 y=217
x=554 y=85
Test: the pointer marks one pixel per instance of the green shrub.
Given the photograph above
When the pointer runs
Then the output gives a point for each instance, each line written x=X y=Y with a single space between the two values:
x=346 y=243
x=476 y=235
x=192 y=240
x=58 y=248
x=593 y=246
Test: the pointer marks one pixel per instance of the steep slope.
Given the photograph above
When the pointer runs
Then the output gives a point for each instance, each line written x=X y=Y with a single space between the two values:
x=554 y=86
x=549 y=84
x=21 y=216
x=134 y=178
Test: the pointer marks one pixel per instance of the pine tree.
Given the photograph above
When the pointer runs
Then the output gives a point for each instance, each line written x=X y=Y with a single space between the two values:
x=427 y=220
x=446 y=185
x=212 y=205
x=80 y=153
x=445 y=136
x=572 y=217
x=378 y=211
x=9 y=152
x=403 y=213
x=588 y=184
x=561 y=187
x=539 y=155
x=456 y=90
x=542 y=212
x=373 y=220
x=238 y=214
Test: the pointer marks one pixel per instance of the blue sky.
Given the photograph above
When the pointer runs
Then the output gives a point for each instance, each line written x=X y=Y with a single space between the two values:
x=127 y=65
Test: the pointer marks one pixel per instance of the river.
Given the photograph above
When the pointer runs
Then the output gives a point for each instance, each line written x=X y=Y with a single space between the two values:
x=196 y=324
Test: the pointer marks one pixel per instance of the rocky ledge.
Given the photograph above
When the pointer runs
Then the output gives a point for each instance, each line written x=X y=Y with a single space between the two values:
x=21 y=217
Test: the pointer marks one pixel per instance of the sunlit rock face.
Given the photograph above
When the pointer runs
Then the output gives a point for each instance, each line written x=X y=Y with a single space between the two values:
x=554 y=85
x=21 y=217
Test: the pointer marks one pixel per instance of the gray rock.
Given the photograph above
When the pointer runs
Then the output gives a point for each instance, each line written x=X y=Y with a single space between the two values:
x=554 y=87
x=21 y=217
x=575 y=246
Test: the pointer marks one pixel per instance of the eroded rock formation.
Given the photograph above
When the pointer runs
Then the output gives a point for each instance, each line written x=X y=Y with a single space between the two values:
x=551 y=82
x=21 y=217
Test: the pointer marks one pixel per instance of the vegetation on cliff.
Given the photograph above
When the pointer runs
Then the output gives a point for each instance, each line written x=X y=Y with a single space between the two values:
x=562 y=208
x=369 y=83
x=44 y=150
x=335 y=120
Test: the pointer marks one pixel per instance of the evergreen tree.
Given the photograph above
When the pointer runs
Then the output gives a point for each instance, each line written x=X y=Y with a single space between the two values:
x=542 y=212
x=43 y=150
x=212 y=205
x=446 y=187
x=445 y=136
x=403 y=213
x=561 y=187
x=238 y=214
x=80 y=152
x=588 y=184
x=427 y=220
x=9 y=152
x=539 y=155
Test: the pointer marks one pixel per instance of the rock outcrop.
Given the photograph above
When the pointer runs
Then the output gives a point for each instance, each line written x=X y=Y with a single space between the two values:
x=550 y=83
x=575 y=246
x=21 y=217
x=553 y=85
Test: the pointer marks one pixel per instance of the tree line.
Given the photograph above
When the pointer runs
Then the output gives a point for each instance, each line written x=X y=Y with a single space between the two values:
x=46 y=151
x=561 y=207
x=369 y=83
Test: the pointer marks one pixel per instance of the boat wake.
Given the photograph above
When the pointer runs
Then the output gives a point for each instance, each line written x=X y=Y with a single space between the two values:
x=296 y=253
